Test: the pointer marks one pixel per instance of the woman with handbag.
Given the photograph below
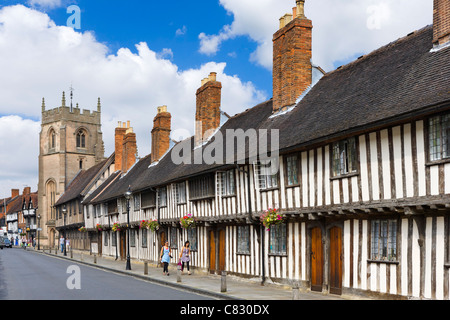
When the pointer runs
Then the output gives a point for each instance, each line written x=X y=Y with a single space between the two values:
x=185 y=256
x=166 y=254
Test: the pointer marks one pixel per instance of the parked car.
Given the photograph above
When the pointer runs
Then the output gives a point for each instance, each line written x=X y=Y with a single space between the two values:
x=8 y=243
x=2 y=242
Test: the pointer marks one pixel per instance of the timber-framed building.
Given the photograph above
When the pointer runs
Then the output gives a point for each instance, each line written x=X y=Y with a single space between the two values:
x=363 y=177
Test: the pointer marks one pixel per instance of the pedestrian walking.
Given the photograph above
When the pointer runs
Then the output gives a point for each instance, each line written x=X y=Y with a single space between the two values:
x=166 y=254
x=185 y=257
x=62 y=243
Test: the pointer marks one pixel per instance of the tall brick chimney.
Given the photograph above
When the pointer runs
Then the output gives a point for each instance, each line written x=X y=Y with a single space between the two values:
x=161 y=133
x=207 y=117
x=15 y=193
x=125 y=147
x=441 y=22
x=118 y=138
x=292 y=53
x=26 y=191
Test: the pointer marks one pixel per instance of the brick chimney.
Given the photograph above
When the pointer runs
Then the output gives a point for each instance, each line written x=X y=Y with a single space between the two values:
x=292 y=53
x=441 y=22
x=125 y=147
x=26 y=191
x=119 y=134
x=207 y=117
x=161 y=133
x=15 y=193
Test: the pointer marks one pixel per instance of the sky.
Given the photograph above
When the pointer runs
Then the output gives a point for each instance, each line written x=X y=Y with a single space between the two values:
x=138 y=55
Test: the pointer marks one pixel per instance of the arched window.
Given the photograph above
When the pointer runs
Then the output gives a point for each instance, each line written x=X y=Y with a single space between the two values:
x=81 y=139
x=52 y=139
x=51 y=198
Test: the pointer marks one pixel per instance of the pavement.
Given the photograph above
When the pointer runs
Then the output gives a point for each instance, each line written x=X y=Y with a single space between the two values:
x=237 y=288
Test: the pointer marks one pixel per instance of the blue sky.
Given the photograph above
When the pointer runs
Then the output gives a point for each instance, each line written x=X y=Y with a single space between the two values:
x=138 y=55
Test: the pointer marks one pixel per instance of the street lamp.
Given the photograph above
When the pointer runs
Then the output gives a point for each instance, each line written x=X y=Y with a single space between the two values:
x=39 y=231
x=64 y=210
x=128 y=196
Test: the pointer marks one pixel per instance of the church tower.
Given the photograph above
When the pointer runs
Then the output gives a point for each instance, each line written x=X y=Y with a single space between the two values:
x=70 y=140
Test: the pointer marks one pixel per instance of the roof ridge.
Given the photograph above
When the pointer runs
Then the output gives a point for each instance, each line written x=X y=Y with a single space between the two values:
x=380 y=49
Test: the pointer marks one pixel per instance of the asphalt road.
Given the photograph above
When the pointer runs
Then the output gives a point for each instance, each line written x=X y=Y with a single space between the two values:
x=32 y=276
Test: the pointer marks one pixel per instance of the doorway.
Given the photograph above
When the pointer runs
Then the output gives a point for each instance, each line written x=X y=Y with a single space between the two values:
x=217 y=251
x=336 y=260
x=316 y=259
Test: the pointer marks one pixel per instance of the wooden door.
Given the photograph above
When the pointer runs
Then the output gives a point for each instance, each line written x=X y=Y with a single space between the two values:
x=212 y=252
x=123 y=242
x=221 y=250
x=336 y=260
x=316 y=260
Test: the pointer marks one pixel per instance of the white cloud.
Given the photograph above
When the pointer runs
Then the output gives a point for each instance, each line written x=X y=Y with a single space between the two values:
x=45 y=3
x=181 y=32
x=342 y=28
x=40 y=59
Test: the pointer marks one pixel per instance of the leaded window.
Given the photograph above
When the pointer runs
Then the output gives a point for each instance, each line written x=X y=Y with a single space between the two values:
x=278 y=239
x=266 y=177
x=81 y=139
x=179 y=190
x=201 y=187
x=292 y=170
x=162 y=197
x=192 y=238
x=439 y=142
x=384 y=240
x=344 y=157
x=226 y=185
x=244 y=239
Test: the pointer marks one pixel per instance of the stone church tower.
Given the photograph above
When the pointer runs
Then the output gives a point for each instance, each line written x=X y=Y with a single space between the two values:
x=70 y=140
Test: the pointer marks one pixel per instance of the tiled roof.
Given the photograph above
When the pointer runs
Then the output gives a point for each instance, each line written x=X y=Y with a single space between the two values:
x=397 y=82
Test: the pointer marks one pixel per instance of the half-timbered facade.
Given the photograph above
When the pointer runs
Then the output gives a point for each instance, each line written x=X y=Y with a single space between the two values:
x=362 y=180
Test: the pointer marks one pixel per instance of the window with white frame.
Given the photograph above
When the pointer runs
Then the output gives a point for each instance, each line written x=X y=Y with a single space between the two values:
x=266 y=176
x=384 y=240
x=179 y=192
x=439 y=142
x=226 y=185
x=344 y=157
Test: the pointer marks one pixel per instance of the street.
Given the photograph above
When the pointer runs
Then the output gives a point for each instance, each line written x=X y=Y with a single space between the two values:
x=31 y=276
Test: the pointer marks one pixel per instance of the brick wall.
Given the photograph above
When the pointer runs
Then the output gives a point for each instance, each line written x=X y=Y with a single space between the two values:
x=207 y=117
x=441 y=22
x=292 y=53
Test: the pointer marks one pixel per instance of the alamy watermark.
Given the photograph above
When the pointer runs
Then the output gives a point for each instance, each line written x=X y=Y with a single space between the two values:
x=74 y=21
x=233 y=146
x=74 y=280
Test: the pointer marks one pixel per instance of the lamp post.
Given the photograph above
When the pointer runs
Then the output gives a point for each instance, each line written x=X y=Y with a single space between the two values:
x=128 y=196
x=39 y=231
x=64 y=210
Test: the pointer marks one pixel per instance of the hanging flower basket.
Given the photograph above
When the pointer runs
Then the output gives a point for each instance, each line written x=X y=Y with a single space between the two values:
x=187 y=222
x=153 y=225
x=271 y=217
x=144 y=224
x=116 y=227
x=82 y=229
x=99 y=227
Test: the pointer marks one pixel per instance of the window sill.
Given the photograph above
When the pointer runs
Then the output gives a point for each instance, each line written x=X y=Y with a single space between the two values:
x=243 y=253
x=437 y=162
x=292 y=185
x=383 y=261
x=278 y=255
x=342 y=176
x=269 y=189
x=447 y=265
